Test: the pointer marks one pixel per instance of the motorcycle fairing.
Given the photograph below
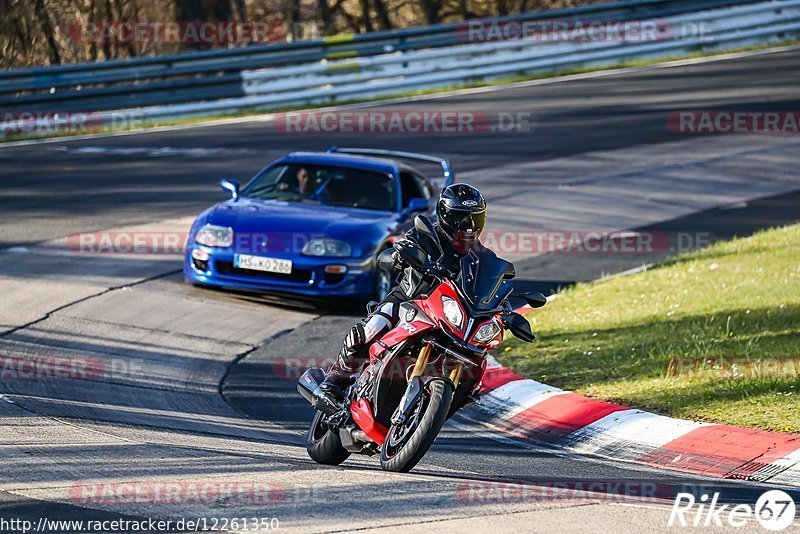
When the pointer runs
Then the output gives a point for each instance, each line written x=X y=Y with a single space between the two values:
x=362 y=415
x=397 y=335
x=433 y=307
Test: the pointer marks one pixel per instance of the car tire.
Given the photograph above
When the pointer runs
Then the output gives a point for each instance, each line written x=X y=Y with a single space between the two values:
x=383 y=282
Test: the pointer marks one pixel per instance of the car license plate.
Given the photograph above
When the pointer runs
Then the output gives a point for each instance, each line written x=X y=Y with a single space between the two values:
x=261 y=263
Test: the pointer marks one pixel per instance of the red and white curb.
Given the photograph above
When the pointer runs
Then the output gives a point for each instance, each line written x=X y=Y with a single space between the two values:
x=529 y=410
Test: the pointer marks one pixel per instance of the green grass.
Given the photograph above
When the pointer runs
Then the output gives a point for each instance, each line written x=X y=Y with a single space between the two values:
x=732 y=303
x=404 y=94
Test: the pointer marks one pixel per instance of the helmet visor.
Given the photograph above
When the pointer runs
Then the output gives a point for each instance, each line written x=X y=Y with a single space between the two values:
x=466 y=221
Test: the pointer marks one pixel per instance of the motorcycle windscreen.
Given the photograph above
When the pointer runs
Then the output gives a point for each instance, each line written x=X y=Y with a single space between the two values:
x=483 y=279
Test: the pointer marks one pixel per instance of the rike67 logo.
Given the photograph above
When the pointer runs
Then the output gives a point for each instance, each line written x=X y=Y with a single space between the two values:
x=774 y=510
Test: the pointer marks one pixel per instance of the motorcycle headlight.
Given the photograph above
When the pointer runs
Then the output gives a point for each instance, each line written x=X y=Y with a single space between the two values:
x=452 y=312
x=331 y=248
x=486 y=333
x=214 y=236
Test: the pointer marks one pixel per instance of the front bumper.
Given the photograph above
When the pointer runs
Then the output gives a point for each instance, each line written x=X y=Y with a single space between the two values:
x=308 y=277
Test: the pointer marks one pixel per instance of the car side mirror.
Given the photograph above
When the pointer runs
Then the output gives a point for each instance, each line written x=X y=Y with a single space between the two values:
x=417 y=204
x=232 y=186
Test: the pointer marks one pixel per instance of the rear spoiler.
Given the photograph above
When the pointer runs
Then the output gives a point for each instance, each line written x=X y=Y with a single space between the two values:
x=447 y=173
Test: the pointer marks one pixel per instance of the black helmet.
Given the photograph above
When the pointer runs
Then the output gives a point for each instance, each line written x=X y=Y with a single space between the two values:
x=461 y=210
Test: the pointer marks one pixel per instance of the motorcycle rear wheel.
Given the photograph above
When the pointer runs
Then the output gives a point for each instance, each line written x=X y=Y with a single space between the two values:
x=406 y=444
x=323 y=444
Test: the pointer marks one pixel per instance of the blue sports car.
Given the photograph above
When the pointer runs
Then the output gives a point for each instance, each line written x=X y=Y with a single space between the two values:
x=311 y=224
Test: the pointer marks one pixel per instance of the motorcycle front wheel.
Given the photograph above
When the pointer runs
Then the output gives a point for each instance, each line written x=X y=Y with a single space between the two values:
x=406 y=444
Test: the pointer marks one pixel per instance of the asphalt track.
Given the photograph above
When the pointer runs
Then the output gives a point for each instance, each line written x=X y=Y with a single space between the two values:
x=601 y=157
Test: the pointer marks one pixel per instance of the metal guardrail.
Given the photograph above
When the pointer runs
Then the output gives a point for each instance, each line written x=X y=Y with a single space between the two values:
x=392 y=73
x=216 y=74
x=335 y=81
x=418 y=70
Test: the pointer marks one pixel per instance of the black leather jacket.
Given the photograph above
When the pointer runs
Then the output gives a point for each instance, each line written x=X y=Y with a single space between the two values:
x=413 y=283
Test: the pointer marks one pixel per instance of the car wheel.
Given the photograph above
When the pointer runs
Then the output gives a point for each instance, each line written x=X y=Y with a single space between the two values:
x=383 y=284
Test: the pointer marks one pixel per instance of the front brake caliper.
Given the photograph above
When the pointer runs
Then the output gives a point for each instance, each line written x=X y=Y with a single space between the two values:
x=410 y=399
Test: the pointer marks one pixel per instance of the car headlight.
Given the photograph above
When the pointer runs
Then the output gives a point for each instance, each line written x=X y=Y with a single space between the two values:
x=452 y=311
x=331 y=248
x=486 y=333
x=214 y=236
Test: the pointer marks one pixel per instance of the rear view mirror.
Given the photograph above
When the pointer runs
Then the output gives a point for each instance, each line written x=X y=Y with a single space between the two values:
x=413 y=256
x=520 y=327
x=386 y=260
x=424 y=226
x=232 y=186
x=535 y=299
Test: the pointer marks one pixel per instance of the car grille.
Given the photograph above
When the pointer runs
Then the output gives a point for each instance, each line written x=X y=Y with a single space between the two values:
x=297 y=275
x=332 y=279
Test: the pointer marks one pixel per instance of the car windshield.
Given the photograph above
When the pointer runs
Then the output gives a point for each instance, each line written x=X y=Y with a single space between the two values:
x=324 y=184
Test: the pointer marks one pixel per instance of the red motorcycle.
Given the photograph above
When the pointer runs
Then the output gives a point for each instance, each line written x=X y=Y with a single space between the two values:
x=425 y=369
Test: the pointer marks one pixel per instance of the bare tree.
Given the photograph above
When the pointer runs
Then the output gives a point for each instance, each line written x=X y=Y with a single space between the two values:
x=383 y=15
x=365 y=16
x=325 y=14
x=42 y=32
x=189 y=10
x=431 y=9
x=49 y=32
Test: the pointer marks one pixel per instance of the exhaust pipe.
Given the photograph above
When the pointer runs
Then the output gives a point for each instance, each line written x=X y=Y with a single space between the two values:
x=360 y=435
x=308 y=387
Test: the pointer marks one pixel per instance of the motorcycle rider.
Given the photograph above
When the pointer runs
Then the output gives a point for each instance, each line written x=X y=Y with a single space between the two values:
x=461 y=213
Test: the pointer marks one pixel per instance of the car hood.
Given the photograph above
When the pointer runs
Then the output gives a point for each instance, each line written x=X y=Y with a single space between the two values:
x=301 y=222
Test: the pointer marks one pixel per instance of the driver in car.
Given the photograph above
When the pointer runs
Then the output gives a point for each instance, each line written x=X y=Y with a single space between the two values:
x=461 y=212
x=303 y=181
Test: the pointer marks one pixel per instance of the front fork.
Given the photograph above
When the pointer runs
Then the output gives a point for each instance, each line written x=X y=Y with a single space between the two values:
x=415 y=385
x=422 y=361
